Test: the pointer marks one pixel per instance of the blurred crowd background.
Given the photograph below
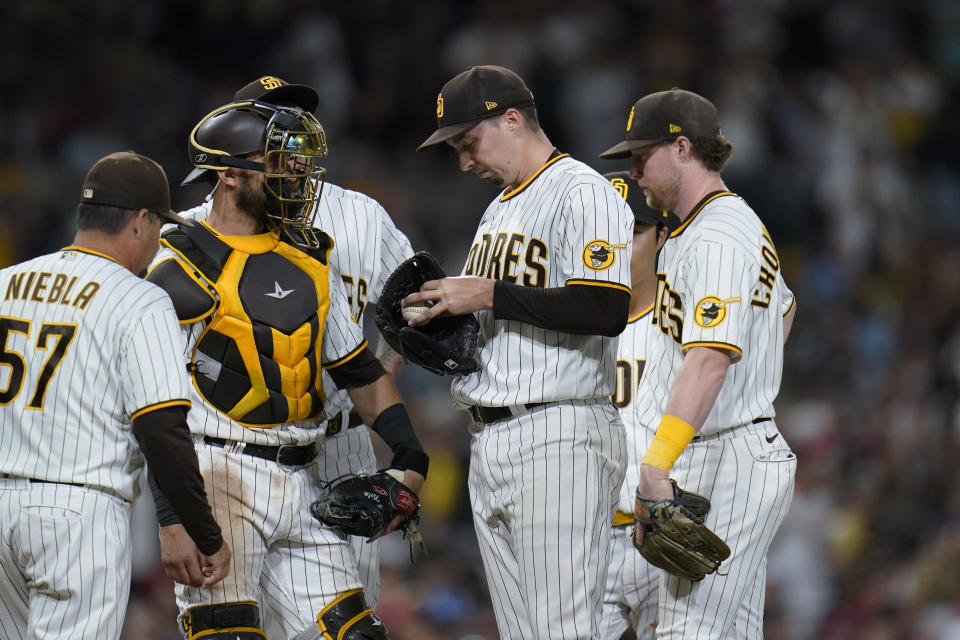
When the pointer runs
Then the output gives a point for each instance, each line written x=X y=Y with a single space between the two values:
x=845 y=118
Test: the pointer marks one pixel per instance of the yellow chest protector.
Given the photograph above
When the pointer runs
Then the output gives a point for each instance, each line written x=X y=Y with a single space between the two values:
x=263 y=304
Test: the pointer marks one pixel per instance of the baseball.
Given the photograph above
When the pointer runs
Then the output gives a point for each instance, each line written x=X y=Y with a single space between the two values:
x=415 y=310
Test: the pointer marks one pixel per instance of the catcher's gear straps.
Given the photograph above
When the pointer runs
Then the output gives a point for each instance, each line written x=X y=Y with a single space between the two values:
x=257 y=359
x=193 y=298
x=229 y=621
x=347 y=618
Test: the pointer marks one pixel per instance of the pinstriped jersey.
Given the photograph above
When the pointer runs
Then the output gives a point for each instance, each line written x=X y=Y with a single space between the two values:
x=719 y=284
x=341 y=340
x=86 y=346
x=368 y=247
x=632 y=349
x=565 y=226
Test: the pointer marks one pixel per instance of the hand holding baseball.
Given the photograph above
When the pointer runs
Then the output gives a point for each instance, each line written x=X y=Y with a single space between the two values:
x=414 y=310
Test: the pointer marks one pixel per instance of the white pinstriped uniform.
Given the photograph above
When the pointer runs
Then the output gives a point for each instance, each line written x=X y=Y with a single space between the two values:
x=282 y=556
x=543 y=483
x=85 y=346
x=368 y=247
x=720 y=285
x=630 y=597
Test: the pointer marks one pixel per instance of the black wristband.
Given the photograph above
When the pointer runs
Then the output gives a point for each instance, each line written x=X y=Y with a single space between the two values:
x=413 y=459
x=393 y=425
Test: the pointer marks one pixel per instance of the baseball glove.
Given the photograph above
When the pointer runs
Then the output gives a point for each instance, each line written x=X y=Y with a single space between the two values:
x=445 y=345
x=676 y=540
x=362 y=505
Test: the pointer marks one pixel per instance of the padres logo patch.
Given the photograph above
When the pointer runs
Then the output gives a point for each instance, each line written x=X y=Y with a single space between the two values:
x=600 y=255
x=621 y=186
x=711 y=311
x=269 y=82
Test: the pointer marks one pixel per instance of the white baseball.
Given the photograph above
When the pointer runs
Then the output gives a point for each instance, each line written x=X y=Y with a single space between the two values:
x=415 y=310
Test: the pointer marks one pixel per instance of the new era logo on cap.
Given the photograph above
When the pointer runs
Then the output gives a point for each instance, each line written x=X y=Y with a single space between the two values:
x=473 y=95
x=663 y=116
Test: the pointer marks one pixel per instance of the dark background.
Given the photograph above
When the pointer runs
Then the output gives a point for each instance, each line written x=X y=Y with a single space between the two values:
x=844 y=117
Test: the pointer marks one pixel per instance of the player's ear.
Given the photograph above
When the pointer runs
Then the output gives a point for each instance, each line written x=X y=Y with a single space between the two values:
x=139 y=222
x=512 y=120
x=229 y=177
x=684 y=147
x=662 y=234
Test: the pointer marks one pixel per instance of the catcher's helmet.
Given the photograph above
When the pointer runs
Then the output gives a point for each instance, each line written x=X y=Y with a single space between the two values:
x=292 y=142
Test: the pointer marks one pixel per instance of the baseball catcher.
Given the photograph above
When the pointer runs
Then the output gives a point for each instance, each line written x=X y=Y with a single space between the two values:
x=671 y=535
x=446 y=344
x=367 y=506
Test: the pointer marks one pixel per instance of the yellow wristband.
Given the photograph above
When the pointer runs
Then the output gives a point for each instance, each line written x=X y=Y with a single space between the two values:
x=673 y=435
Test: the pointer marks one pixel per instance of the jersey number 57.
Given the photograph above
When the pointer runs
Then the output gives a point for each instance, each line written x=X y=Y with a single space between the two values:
x=62 y=334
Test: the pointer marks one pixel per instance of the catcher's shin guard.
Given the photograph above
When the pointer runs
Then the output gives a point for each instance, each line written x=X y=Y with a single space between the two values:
x=347 y=618
x=230 y=621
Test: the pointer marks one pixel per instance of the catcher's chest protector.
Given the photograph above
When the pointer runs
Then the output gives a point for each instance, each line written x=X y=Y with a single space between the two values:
x=257 y=359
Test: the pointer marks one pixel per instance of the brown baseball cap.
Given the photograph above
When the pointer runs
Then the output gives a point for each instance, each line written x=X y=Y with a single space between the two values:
x=131 y=181
x=633 y=194
x=663 y=116
x=473 y=95
x=277 y=91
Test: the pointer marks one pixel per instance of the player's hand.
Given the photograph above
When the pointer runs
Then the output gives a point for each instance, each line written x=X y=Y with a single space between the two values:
x=654 y=484
x=180 y=557
x=452 y=296
x=215 y=567
x=413 y=481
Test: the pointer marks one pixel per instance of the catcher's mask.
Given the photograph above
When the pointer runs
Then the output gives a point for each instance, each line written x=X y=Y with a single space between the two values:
x=293 y=143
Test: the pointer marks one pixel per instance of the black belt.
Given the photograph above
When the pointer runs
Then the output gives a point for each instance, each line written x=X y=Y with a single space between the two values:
x=729 y=433
x=72 y=484
x=335 y=424
x=284 y=454
x=487 y=415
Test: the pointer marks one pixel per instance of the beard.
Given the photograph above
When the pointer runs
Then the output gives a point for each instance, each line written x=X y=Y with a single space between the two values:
x=252 y=200
x=663 y=198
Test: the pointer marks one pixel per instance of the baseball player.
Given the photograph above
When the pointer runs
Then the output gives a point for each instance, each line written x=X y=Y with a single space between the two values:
x=548 y=277
x=368 y=247
x=630 y=598
x=90 y=389
x=263 y=312
x=722 y=313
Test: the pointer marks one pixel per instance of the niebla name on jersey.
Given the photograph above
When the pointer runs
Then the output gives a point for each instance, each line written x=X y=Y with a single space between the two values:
x=33 y=286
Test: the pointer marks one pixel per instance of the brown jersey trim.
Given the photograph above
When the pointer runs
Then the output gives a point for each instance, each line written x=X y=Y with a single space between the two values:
x=717 y=345
x=599 y=283
x=344 y=359
x=90 y=252
x=509 y=194
x=160 y=405
x=707 y=199
x=633 y=319
x=793 y=304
